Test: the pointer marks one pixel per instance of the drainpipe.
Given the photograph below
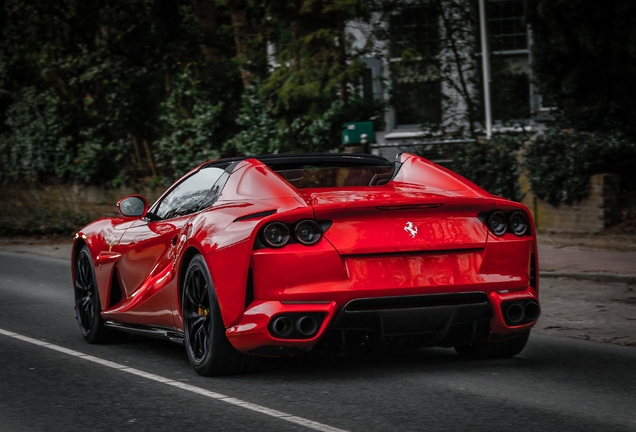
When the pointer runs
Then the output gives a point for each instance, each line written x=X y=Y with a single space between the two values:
x=485 y=64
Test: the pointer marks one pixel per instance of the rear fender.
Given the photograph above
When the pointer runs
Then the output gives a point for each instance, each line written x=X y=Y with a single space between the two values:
x=225 y=236
x=510 y=254
x=418 y=170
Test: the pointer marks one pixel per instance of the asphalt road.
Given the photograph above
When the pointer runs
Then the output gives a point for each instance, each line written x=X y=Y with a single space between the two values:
x=51 y=380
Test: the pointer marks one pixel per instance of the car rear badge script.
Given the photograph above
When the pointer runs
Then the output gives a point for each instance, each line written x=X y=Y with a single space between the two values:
x=411 y=229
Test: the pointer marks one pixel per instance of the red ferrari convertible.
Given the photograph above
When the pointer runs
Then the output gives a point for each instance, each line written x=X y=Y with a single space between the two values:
x=273 y=255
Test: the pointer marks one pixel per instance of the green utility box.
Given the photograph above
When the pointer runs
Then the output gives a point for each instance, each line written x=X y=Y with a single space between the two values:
x=351 y=133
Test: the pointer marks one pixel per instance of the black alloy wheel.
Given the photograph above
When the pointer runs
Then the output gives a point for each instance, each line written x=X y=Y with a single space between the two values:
x=197 y=323
x=208 y=349
x=87 y=304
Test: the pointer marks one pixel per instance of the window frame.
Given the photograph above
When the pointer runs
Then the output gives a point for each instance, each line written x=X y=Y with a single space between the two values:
x=499 y=22
x=430 y=56
x=220 y=181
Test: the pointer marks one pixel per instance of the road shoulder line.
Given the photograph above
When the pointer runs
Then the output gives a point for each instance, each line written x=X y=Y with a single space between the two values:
x=187 y=387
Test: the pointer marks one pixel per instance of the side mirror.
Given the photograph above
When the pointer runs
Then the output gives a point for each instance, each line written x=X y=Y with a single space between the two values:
x=133 y=206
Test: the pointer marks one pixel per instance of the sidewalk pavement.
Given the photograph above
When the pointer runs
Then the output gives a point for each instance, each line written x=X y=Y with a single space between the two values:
x=590 y=264
x=602 y=259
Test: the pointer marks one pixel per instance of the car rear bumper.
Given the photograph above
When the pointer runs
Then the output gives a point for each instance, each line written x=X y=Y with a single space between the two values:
x=425 y=320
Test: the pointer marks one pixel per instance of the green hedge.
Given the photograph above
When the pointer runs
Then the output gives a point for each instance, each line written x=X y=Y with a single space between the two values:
x=560 y=163
x=491 y=164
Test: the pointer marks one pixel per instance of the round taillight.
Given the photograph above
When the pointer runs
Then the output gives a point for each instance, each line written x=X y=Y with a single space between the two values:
x=518 y=223
x=276 y=234
x=497 y=223
x=308 y=232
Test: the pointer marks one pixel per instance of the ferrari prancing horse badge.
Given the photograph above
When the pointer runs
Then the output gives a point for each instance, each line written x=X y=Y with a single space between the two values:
x=411 y=229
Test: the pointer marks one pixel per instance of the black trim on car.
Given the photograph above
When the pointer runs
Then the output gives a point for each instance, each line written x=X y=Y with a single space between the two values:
x=419 y=320
x=255 y=215
x=292 y=161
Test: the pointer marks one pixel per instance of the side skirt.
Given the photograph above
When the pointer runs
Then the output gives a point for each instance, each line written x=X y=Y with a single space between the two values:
x=156 y=332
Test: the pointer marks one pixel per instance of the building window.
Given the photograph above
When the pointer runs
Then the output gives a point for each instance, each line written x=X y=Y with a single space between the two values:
x=414 y=45
x=415 y=29
x=505 y=25
x=510 y=92
x=417 y=102
x=371 y=80
x=510 y=69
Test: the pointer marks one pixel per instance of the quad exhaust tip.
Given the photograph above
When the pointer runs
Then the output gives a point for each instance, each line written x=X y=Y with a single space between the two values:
x=515 y=313
x=297 y=326
x=306 y=325
x=531 y=311
x=282 y=326
x=521 y=312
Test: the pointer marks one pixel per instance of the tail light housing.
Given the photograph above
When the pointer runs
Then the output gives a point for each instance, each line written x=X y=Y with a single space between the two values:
x=277 y=234
x=518 y=223
x=307 y=232
x=499 y=223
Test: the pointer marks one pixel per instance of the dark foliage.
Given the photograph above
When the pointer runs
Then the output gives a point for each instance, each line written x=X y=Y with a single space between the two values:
x=88 y=89
x=584 y=59
x=113 y=92
x=491 y=164
x=41 y=219
x=560 y=162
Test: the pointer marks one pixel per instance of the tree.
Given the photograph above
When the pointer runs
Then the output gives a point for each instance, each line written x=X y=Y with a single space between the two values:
x=311 y=85
x=314 y=63
x=584 y=59
x=87 y=85
x=100 y=92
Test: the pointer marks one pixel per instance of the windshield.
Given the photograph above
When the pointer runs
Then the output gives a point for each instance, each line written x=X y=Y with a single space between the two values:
x=319 y=177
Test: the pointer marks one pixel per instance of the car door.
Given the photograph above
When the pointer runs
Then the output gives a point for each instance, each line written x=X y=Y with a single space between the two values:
x=151 y=242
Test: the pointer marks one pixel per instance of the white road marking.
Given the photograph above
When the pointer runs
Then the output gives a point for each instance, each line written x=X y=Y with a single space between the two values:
x=203 y=392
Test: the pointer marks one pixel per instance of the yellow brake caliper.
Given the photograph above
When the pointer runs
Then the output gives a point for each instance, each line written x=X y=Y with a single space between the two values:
x=202 y=311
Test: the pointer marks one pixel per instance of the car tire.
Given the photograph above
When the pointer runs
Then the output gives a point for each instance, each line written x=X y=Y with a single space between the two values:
x=87 y=305
x=209 y=350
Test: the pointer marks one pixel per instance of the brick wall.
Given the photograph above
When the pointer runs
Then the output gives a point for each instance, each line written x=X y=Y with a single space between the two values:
x=590 y=215
x=91 y=200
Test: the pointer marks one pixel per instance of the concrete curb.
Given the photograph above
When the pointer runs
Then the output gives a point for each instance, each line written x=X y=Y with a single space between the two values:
x=598 y=277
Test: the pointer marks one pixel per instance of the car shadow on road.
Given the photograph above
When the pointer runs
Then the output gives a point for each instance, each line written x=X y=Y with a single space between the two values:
x=546 y=357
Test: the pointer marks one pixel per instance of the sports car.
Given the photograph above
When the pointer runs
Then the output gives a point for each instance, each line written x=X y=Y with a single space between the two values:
x=274 y=255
